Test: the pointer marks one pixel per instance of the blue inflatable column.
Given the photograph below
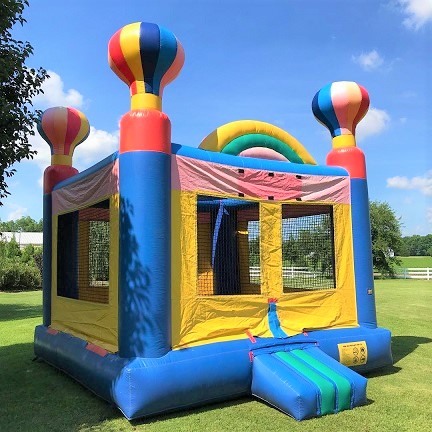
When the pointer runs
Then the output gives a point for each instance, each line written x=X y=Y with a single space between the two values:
x=46 y=259
x=63 y=129
x=340 y=106
x=145 y=234
x=352 y=158
x=53 y=174
x=146 y=57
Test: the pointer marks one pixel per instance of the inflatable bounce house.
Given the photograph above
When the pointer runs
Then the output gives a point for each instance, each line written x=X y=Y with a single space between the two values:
x=177 y=276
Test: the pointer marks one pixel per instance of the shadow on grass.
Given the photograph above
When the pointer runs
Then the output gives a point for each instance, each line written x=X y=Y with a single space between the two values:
x=405 y=345
x=41 y=398
x=386 y=370
x=186 y=412
x=12 y=312
x=59 y=403
x=402 y=346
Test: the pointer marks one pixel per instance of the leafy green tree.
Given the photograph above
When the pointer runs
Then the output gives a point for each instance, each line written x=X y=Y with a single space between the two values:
x=254 y=252
x=18 y=85
x=291 y=252
x=24 y=224
x=311 y=248
x=27 y=254
x=99 y=251
x=38 y=259
x=386 y=237
x=3 y=253
x=13 y=251
x=417 y=245
x=20 y=270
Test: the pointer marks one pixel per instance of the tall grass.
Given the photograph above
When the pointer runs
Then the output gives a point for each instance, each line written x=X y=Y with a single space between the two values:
x=36 y=397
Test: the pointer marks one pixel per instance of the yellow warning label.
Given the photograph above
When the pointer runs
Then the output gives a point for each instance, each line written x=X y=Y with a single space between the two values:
x=353 y=353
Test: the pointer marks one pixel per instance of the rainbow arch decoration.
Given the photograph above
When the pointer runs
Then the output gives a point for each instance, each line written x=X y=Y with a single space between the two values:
x=251 y=138
x=176 y=276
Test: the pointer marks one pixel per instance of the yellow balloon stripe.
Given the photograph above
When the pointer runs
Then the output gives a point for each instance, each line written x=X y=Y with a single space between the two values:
x=61 y=160
x=129 y=42
x=82 y=133
x=223 y=135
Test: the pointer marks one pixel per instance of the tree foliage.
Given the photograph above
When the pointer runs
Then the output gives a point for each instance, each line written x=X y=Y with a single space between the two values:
x=386 y=237
x=311 y=248
x=20 y=269
x=416 y=245
x=23 y=224
x=18 y=85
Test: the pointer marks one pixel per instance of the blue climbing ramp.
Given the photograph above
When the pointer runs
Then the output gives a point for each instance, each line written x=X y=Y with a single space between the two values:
x=306 y=383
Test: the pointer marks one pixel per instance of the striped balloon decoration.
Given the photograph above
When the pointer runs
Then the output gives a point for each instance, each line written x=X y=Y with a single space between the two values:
x=146 y=57
x=339 y=106
x=63 y=129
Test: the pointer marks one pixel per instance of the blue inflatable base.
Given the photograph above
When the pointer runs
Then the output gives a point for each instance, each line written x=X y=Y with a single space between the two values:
x=189 y=377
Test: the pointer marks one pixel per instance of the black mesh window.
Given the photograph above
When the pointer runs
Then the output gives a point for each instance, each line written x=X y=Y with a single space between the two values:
x=83 y=254
x=307 y=247
x=228 y=233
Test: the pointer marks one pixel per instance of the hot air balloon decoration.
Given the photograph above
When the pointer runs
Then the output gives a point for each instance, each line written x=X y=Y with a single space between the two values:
x=146 y=57
x=63 y=129
x=340 y=106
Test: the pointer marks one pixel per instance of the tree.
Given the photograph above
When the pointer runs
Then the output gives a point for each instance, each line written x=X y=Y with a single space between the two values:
x=27 y=254
x=23 y=224
x=13 y=251
x=18 y=85
x=417 y=245
x=386 y=237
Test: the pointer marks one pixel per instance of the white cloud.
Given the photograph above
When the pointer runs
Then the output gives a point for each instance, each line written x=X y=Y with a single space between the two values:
x=17 y=212
x=369 y=61
x=375 y=122
x=419 y=12
x=55 y=95
x=423 y=184
x=97 y=146
x=43 y=156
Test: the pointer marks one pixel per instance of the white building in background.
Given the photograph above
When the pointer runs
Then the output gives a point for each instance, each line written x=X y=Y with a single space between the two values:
x=23 y=238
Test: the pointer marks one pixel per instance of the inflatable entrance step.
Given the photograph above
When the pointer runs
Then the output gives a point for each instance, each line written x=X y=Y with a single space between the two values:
x=306 y=383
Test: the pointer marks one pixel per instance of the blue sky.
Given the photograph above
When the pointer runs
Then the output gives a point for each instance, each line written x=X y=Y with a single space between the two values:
x=249 y=59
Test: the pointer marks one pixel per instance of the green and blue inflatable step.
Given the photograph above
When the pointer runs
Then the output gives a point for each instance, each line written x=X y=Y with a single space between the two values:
x=306 y=382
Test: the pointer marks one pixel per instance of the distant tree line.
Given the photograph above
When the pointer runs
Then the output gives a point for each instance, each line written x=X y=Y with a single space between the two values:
x=23 y=224
x=416 y=245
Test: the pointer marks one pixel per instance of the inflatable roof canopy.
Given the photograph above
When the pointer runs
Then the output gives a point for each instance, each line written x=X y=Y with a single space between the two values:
x=177 y=276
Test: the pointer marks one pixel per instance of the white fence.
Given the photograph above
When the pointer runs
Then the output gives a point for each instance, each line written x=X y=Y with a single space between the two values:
x=415 y=273
x=287 y=272
x=291 y=272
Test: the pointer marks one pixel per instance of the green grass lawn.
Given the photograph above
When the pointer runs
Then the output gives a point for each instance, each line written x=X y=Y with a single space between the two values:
x=36 y=397
x=416 y=261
